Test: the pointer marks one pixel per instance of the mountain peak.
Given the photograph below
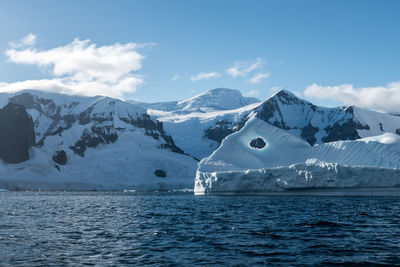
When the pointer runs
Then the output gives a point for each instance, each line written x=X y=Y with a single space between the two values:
x=288 y=98
x=217 y=99
x=284 y=92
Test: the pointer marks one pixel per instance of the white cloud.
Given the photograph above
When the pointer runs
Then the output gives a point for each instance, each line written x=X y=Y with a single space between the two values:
x=383 y=98
x=242 y=68
x=82 y=67
x=204 y=75
x=252 y=93
x=28 y=40
x=259 y=77
x=176 y=77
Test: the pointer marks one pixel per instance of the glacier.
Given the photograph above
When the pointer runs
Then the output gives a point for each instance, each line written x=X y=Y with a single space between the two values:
x=290 y=165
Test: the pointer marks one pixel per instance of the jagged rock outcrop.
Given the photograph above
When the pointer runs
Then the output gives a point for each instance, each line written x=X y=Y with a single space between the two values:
x=160 y=173
x=17 y=133
x=219 y=131
x=258 y=143
x=60 y=157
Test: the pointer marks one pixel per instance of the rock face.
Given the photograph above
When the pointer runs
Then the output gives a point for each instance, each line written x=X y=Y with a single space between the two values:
x=60 y=157
x=258 y=143
x=17 y=133
x=160 y=173
x=219 y=131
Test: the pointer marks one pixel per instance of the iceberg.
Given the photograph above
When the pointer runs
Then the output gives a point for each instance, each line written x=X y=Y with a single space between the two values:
x=282 y=163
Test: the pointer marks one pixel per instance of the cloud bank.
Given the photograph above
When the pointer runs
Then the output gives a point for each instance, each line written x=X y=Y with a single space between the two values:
x=382 y=98
x=80 y=67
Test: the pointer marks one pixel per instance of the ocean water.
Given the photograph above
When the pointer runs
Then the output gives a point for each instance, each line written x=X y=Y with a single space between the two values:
x=103 y=228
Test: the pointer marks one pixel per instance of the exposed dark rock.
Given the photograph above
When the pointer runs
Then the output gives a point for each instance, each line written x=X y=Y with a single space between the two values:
x=48 y=108
x=154 y=129
x=60 y=157
x=58 y=131
x=60 y=122
x=258 y=143
x=344 y=131
x=57 y=167
x=308 y=132
x=380 y=126
x=173 y=148
x=398 y=131
x=17 y=133
x=160 y=173
x=219 y=131
x=84 y=117
x=270 y=108
x=94 y=137
x=40 y=143
x=27 y=100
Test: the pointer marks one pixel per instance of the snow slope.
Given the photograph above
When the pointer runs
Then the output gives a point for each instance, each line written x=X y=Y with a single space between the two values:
x=287 y=162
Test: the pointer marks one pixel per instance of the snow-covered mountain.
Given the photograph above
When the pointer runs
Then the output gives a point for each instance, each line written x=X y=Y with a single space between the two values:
x=284 y=110
x=92 y=143
x=199 y=124
x=318 y=125
x=58 y=141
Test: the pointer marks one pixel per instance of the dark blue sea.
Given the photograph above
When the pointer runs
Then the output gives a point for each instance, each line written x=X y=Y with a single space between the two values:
x=169 y=229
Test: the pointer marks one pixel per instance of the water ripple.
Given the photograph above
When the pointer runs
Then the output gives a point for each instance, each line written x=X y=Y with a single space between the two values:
x=168 y=229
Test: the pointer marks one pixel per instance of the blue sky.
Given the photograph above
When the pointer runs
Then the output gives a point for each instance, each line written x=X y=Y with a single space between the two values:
x=345 y=48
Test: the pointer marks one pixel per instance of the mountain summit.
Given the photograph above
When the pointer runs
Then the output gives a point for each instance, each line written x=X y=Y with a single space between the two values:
x=217 y=99
x=212 y=100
